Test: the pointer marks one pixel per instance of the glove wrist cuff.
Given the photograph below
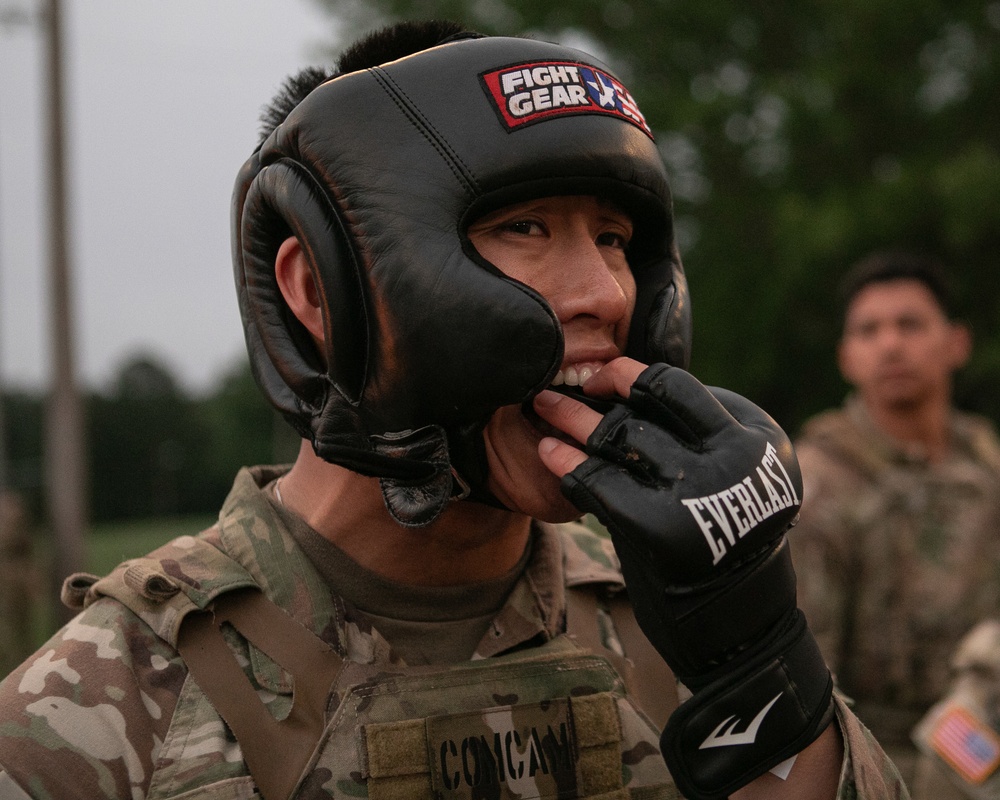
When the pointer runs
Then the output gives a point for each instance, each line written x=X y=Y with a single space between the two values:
x=743 y=612
x=750 y=719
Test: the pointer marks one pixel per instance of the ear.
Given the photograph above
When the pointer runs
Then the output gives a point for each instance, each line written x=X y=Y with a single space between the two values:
x=960 y=344
x=298 y=287
x=844 y=361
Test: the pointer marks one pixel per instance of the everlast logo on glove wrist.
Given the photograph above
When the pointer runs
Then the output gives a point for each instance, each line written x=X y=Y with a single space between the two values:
x=732 y=513
x=528 y=93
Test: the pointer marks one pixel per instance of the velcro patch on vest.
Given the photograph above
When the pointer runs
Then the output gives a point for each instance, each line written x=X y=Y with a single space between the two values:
x=550 y=750
x=524 y=94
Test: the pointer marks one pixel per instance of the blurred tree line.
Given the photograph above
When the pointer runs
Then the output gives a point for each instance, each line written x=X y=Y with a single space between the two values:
x=799 y=135
x=154 y=449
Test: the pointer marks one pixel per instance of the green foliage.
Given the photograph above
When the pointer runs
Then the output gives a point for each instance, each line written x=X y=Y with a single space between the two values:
x=799 y=136
x=22 y=415
x=244 y=430
x=143 y=441
x=153 y=449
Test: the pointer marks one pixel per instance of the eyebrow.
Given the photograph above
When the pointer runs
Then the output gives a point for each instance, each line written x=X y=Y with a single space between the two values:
x=606 y=204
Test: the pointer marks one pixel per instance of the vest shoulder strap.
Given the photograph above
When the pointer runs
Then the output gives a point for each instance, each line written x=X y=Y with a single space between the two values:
x=185 y=591
x=162 y=588
x=646 y=675
x=593 y=576
x=275 y=751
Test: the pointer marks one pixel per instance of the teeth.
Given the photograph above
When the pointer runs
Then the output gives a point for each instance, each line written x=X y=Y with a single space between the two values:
x=575 y=375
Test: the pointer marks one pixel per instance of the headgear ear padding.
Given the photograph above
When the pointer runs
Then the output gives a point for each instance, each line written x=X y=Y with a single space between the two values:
x=378 y=173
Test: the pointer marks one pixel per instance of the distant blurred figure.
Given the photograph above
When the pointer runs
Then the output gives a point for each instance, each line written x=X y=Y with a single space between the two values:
x=17 y=581
x=898 y=546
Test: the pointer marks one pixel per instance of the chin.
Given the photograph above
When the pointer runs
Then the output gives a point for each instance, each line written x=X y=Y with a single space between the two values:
x=517 y=476
x=902 y=398
x=548 y=508
x=539 y=499
x=567 y=513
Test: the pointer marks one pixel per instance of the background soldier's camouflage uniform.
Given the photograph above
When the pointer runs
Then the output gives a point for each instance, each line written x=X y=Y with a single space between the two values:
x=105 y=708
x=20 y=579
x=896 y=559
x=974 y=696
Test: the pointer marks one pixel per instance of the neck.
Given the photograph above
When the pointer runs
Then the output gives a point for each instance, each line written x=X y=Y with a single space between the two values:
x=469 y=542
x=925 y=424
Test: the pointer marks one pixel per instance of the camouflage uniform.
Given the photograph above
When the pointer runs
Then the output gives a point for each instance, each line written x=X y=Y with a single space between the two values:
x=896 y=559
x=105 y=709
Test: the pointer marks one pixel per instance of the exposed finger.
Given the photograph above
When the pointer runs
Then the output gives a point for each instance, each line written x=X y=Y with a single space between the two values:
x=559 y=457
x=614 y=378
x=568 y=415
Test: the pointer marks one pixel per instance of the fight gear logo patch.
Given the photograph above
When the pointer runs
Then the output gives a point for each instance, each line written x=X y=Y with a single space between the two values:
x=524 y=94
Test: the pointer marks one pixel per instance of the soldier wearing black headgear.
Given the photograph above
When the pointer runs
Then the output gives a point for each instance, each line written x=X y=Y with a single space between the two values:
x=455 y=259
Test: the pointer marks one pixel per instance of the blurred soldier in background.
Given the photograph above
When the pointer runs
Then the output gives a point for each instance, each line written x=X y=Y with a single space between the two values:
x=17 y=579
x=897 y=549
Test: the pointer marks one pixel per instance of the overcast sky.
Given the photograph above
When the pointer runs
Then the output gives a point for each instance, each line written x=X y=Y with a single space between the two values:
x=163 y=100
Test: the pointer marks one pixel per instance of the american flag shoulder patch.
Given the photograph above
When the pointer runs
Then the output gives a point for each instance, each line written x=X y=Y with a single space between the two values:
x=968 y=745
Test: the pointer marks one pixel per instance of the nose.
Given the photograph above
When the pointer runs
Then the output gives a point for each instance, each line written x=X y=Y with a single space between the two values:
x=588 y=290
x=890 y=338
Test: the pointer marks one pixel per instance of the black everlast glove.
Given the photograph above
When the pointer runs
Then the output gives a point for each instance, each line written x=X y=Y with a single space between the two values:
x=697 y=488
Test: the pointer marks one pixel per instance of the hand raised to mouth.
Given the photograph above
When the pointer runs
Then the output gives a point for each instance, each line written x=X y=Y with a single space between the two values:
x=697 y=487
x=570 y=412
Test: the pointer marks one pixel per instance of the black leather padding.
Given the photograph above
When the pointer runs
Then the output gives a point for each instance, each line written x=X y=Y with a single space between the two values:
x=378 y=174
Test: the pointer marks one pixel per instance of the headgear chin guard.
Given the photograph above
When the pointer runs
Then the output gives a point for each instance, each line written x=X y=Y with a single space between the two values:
x=378 y=174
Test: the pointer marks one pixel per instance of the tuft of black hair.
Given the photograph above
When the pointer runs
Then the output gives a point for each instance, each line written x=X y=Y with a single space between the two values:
x=292 y=92
x=387 y=44
x=887 y=265
x=399 y=40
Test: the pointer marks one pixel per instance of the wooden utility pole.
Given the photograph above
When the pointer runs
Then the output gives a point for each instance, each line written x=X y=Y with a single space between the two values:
x=10 y=18
x=64 y=440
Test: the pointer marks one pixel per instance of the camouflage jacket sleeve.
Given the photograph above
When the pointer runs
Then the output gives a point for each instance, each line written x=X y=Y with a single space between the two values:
x=866 y=773
x=85 y=716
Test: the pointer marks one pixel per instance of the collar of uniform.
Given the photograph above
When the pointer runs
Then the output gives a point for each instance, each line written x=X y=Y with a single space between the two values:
x=889 y=448
x=254 y=534
x=562 y=555
x=536 y=605
x=969 y=437
x=589 y=556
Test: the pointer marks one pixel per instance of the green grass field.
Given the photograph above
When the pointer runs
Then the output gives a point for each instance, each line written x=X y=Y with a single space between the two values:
x=109 y=544
x=106 y=546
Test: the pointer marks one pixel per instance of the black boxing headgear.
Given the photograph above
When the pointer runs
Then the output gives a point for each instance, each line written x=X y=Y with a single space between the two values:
x=378 y=174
